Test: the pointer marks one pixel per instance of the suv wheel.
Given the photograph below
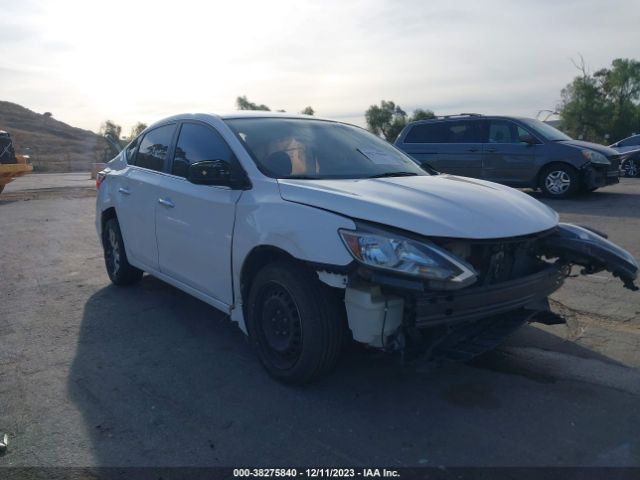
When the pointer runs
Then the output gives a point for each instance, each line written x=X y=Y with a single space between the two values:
x=295 y=322
x=559 y=181
x=120 y=271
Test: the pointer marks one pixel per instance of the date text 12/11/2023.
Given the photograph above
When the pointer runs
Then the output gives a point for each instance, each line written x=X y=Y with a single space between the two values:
x=316 y=472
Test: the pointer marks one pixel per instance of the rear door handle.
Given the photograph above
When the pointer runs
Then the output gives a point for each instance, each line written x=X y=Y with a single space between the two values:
x=124 y=191
x=472 y=150
x=492 y=150
x=166 y=202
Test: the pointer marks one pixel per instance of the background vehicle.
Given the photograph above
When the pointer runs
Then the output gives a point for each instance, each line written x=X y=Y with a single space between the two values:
x=519 y=152
x=630 y=163
x=12 y=166
x=627 y=144
x=307 y=231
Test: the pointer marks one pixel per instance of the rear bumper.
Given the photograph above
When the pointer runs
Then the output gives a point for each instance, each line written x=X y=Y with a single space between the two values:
x=530 y=292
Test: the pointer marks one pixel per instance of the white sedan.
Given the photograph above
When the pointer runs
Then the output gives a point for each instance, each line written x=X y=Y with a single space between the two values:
x=310 y=232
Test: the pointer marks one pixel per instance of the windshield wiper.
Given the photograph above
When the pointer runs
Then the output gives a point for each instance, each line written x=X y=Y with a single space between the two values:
x=394 y=174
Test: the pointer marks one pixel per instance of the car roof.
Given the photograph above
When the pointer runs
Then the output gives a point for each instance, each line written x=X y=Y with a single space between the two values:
x=472 y=116
x=240 y=114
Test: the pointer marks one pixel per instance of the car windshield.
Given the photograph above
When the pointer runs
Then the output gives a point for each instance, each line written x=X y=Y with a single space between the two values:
x=550 y=133
x=319 y=149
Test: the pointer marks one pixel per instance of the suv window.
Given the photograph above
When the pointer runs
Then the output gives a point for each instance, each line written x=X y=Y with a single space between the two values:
x=130 y=150
x=502 y=131
x=459 y=131
x=154 y=147
x=197 y=143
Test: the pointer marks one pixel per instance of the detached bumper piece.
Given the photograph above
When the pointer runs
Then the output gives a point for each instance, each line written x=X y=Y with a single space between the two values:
x=593 y=252
x=528 y=293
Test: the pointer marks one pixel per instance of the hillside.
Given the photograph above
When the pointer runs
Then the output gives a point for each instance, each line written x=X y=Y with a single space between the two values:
x=52 y=145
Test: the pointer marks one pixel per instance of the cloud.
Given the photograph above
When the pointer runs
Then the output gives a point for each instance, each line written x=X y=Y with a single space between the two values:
x=139 y=61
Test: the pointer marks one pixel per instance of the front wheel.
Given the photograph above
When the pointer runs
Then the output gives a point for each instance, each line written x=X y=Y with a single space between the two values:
x=295 y=322
x=559 y=181
x=120 y=271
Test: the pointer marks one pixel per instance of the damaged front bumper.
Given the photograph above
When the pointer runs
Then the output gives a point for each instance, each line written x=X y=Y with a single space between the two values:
x=383 y=307
x=597 y=175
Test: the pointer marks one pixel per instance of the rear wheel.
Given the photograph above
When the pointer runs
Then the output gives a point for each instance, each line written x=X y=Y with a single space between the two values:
x=559 y=181
x=120 y=271
x=1 y=188
x=295 y=322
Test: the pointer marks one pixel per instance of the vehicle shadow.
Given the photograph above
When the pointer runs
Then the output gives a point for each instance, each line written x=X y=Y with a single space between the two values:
x=163 y=379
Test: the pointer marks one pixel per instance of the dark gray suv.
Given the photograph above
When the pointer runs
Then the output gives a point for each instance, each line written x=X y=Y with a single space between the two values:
x=519 y=152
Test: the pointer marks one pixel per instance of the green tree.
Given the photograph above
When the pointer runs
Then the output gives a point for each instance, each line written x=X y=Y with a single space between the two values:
x=620 y=86
x=602 y=107
x=308 y=111
x=242 y=103
x=388 y=119
x=136 y=130
x=111 y=129
x=422 y=114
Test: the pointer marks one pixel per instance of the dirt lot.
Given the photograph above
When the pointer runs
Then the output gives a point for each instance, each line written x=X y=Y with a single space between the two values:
x=95 y=375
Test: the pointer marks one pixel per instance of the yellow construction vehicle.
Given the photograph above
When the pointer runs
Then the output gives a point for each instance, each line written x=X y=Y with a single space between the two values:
x=11 y=165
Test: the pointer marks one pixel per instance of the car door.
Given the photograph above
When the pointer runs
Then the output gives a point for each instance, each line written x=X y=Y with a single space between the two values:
x=194 y=223
x=137 y=193
x=449 y=146
x=507 y=159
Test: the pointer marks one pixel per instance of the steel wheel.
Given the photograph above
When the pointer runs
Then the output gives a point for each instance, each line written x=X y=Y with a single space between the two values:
x=120 y=271
x=280 y=325
x=112 y=252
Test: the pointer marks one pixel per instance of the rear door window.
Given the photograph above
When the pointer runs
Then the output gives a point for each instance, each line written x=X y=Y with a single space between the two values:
x=455 y=131
x=198 y=143
x=426 y=133
x=154 y=148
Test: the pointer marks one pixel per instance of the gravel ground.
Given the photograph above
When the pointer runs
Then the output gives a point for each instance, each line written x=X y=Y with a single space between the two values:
x=95 y=375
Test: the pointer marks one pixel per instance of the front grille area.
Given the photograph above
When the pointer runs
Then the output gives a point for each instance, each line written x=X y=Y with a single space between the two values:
x=498 y=261
x=615 y=163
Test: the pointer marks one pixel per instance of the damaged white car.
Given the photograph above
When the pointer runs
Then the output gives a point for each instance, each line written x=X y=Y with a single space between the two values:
x=310 y=232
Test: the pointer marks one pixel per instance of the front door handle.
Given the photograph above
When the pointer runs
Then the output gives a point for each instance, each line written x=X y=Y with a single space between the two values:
x=492 y=150
x=166 y=202
x=124 y=191
x=472 y=150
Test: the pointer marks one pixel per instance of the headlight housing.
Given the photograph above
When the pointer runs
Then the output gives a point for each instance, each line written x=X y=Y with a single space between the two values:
x=595 y=157
x=392 y=252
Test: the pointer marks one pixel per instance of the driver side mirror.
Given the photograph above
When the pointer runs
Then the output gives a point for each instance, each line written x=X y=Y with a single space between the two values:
x=528 y=139
x=212 y=172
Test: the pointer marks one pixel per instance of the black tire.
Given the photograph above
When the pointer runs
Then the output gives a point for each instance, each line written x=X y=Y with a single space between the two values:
x=559 y=181
x=1 y=188
x=295 y=322
x=120 y=271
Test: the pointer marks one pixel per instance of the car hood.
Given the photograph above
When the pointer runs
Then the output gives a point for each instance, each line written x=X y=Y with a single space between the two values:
x=606 y=151
x=439 y=206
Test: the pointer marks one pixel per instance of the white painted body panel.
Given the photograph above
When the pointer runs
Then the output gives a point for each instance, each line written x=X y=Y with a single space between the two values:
x=194 y=236
x=439 y=206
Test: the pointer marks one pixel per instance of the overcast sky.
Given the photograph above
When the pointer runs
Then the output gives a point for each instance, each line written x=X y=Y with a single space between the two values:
x=134 y=60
